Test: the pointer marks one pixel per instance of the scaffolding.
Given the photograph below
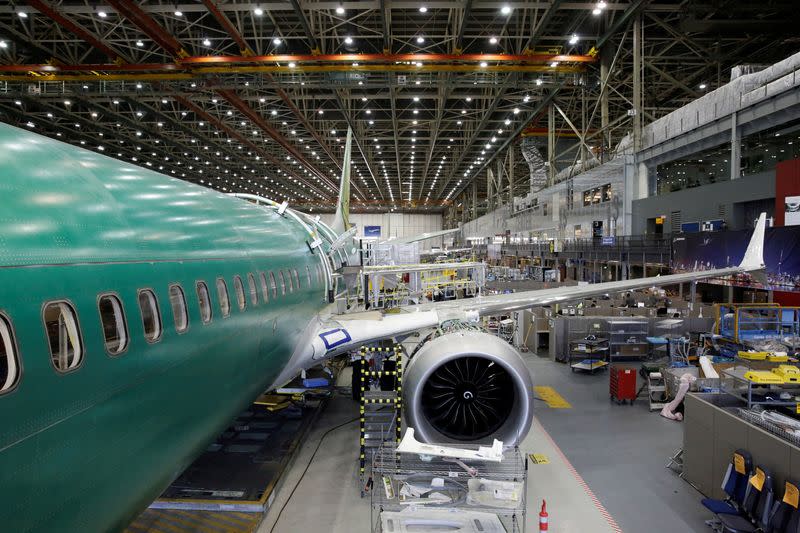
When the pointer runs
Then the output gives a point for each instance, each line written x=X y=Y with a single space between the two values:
x=380 y=411
x=387 y=286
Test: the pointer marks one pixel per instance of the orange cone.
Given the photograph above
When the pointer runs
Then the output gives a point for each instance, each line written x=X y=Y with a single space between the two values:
x=543 y=517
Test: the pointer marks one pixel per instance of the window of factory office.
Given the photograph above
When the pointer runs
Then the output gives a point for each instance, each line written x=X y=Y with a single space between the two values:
x=763 y=150
x=597 y=195
x=760 y=152
x=696 y=170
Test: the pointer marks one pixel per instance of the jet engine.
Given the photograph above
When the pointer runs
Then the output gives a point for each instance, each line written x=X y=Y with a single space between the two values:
x=468 y=387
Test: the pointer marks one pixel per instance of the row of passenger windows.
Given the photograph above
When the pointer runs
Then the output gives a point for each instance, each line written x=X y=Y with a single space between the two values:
x=63 y=330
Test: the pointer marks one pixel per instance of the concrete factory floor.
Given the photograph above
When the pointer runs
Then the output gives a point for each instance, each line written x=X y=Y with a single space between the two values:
x=605 y=473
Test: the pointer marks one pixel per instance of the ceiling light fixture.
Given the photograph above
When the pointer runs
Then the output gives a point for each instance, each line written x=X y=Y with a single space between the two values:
x=492 y=40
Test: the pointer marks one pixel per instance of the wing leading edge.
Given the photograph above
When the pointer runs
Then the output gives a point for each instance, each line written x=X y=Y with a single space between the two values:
x=421 y=236
x=337 y=334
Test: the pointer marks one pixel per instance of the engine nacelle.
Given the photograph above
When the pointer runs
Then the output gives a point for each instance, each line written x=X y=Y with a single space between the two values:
x=468 y=387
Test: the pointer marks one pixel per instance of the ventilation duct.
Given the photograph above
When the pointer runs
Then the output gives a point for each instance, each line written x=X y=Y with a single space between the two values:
x=535 y=162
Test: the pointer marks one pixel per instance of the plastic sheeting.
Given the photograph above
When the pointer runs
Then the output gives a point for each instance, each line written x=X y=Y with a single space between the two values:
x=744 y=90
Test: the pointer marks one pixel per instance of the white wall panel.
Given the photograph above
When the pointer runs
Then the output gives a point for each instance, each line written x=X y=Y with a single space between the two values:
x=397 y=225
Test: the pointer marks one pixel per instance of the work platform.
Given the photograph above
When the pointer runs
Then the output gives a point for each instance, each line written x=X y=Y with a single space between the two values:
x=230 y=487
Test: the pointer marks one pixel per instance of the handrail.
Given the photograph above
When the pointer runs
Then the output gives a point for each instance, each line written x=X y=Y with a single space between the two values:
x=324 y=258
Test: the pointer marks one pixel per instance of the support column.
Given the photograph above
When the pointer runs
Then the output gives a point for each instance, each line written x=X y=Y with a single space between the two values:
x=489 y=187
x=736 y=147
x=637 y=83
x=605 y=61
x=474 y=199
x=551 y=144
x=511 y=176
x=584 y=150
x=499 y=184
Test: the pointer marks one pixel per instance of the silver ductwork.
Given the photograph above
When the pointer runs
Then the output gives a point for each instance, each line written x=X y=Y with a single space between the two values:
x=468 y=387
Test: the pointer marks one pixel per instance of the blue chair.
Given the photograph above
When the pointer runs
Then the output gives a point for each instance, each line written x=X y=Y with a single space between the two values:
x=734 y=484
x=756 y=507
x=785 y=517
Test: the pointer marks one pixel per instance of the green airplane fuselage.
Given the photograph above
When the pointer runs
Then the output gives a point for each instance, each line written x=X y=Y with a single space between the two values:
x=87 y=449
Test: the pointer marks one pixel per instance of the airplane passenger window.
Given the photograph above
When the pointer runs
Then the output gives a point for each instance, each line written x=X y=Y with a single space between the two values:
x=9 y=363
x=151 y=317
x=289 y=278
x=273 y=285
x=264 y=289
x=204 y=299
x=296 y=278
x=251 y=282
x=112 y=317
x=239 y=288
x=224 y=300
x=283 y=282
x=63 y=333
x=308 y=275
x=178 y=302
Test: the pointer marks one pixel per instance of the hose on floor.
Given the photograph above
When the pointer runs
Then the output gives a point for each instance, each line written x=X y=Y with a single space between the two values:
x=310 y=461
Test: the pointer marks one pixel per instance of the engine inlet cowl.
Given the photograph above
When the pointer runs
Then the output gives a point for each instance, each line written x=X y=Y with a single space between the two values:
x=468 y=386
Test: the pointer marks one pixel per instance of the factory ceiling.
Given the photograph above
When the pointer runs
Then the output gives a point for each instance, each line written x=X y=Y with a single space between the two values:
x=257 y=96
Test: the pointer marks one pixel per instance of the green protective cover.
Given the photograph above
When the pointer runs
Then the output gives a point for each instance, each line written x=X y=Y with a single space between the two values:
x=88 y=450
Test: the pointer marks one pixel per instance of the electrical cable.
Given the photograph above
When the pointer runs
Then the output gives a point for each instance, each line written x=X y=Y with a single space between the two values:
x=310 y=461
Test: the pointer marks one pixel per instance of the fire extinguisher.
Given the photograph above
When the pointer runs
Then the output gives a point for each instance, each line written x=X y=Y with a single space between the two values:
x=543 y=517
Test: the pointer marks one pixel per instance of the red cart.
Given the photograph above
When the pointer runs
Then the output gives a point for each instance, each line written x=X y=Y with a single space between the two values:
x=622 y=384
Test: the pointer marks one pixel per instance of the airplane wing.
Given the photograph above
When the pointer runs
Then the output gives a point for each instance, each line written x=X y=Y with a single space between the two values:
x=337 y=334
x=421 y=236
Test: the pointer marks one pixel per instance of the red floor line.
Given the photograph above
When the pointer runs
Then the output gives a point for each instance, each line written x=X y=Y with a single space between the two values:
x=605 y=514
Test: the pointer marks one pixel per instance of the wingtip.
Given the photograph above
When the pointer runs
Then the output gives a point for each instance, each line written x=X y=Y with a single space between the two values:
x=754 y=255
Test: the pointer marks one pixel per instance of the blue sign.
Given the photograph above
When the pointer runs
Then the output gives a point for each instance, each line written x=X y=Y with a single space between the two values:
x=372 y=231
x=690 y=227
x=609 y=241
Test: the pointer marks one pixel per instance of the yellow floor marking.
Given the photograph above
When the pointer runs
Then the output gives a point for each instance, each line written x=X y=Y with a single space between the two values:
x=199 y=520
x=184 y=521
x=220 y=521
x=553 y=399
x=163 y=525
x=539 y=459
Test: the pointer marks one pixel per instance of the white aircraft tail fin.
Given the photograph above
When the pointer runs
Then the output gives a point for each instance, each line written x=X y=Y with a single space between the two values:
x=341 y=221
x=753 y=259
